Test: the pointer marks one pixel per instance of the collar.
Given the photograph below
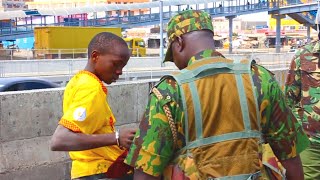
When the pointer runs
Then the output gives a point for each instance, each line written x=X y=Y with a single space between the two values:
x=204 y=54
x=104 y=88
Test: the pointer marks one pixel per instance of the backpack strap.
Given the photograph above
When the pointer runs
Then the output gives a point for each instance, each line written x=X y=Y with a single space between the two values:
x=169 y=116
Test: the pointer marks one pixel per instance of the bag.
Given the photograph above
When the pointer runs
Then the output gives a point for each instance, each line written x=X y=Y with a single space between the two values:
x=118 y=168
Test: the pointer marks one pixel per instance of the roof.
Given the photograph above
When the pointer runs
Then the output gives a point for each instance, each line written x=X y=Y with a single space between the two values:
x=97 y=8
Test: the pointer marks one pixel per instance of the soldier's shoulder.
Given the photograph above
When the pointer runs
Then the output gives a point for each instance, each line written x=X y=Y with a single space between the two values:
x=166 y=83
x=260 y=70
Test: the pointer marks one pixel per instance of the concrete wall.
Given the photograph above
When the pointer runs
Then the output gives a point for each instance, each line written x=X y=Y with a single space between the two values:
x=28 y=119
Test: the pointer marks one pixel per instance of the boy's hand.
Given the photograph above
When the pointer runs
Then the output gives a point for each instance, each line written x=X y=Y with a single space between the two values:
x=126 y=137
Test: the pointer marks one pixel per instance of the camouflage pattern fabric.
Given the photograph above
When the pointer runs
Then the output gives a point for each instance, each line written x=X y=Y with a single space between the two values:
x=184 y=22
x=303 y=89
x=152 y=149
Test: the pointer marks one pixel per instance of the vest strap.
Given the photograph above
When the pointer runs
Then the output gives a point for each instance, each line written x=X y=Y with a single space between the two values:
x=221 y=138
x=185 y=110
x=243 y=100
x=197 y=109
x=210 y=69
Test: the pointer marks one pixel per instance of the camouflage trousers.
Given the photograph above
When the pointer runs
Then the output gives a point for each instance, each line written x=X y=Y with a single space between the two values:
x=311 y=162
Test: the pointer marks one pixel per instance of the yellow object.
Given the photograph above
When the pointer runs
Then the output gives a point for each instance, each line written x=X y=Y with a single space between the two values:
x=137 y=46
x=86 y=110
x=285 y=23
x=226 y=45
x=55 y=41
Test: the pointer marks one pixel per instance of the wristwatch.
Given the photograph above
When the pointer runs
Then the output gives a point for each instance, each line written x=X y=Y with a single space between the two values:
x=117 y=137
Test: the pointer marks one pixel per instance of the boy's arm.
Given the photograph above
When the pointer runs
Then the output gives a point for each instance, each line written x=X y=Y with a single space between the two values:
x=64 y=139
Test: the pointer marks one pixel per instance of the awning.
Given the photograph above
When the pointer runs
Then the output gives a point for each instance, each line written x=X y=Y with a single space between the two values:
x=12 y=14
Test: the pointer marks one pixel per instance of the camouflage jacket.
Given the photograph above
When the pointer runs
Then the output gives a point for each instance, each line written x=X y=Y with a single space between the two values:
x=303 y=89
x=152 y=150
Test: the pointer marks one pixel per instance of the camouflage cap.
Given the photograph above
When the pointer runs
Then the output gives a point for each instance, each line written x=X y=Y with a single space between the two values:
x=184 y=22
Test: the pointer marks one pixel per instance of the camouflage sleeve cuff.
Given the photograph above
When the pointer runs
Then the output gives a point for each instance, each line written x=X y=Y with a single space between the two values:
x=152 y=163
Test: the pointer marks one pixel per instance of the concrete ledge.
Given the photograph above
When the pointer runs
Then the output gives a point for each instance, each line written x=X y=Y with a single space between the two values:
x=26 y=153
x=57 y=171
x=29 y=114
x=127 y=102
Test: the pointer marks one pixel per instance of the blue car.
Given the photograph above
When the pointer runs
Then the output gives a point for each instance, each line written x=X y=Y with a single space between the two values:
x=25 y=83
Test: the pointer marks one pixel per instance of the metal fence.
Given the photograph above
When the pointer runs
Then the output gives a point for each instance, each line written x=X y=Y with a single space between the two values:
x=61 y=70
x=30 y=54
x=45 y=67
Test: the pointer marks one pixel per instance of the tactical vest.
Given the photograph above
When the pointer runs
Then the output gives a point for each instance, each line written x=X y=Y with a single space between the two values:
x=222 y=122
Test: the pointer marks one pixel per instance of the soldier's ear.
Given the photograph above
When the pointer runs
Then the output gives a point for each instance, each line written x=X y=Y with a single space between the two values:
x=181 y=43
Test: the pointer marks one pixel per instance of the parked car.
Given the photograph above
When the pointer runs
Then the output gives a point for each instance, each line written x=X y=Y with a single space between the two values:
x=25 y=83
x=293 y=49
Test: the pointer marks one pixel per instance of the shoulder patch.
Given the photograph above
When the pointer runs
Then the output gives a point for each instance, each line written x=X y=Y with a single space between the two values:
x=79 y=114
x=160 y=81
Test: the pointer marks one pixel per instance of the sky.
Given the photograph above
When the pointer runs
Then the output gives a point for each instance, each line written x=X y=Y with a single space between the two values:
x=263 y=16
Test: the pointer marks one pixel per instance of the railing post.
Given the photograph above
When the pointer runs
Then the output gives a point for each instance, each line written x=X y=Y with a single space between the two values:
x=278 y=31
x=161 y=31
x=230 y=18
x=308 y=32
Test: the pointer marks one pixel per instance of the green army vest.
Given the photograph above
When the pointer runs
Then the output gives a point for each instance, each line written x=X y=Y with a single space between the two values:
x=222 y=122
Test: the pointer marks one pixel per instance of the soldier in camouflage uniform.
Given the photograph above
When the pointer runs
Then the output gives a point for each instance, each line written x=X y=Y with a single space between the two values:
x=303 y=96
x=190 y=36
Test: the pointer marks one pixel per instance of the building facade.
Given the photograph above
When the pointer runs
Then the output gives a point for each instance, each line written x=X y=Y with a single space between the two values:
x=9 y=5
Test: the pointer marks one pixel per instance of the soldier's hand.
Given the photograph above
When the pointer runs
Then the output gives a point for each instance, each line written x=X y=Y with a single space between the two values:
x=126 y=137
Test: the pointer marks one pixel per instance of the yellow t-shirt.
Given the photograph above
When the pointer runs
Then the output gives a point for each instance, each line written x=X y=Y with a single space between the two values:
x=86 y=110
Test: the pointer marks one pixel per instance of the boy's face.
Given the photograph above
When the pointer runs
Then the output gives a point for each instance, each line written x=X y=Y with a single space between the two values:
x=108 y=66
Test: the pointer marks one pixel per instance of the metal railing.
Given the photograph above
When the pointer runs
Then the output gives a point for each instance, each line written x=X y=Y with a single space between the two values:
x=30 y=54
x=47 y=67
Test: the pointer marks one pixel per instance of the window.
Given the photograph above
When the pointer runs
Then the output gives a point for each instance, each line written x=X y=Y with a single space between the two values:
x=129 y=43
x=15 y=87
x=141 y=44
x=35 y=85
x=302 y=27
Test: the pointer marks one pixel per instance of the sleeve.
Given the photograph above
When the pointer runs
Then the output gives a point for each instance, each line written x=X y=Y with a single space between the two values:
x=279 y=126
x=293 y=84
x=152 y=148
x=85 y=111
